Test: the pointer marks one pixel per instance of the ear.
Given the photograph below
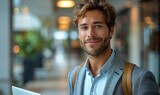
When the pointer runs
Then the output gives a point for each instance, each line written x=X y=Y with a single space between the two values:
x=111 y=31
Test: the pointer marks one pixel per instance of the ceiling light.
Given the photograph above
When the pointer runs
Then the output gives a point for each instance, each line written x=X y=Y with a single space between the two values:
x=65 y=3
x=64 y=20
x=63 y=27
x=25 y=10
x=16 y=10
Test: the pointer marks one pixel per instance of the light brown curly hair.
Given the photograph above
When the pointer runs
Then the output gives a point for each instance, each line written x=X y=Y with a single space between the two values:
x=102 y=5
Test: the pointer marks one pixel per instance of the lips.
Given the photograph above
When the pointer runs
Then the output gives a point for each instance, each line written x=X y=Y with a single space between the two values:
x=92 y=42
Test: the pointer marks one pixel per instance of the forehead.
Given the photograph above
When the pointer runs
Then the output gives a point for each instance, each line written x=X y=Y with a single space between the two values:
x=91 y=17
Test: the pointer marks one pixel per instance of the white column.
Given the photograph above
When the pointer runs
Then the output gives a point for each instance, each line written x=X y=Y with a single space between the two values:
x=5 y=63
x=153 y=64
x=134 y=44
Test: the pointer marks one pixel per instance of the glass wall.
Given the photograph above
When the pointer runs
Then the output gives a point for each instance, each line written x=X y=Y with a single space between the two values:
x=45 y=46
x=150 y=23
x=122 y=30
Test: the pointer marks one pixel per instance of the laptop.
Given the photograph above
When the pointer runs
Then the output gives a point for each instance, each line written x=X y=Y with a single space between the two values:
x=20 y=91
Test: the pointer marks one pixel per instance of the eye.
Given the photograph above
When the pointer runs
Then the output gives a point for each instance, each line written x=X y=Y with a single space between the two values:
x=98 y=26
x=83 y=28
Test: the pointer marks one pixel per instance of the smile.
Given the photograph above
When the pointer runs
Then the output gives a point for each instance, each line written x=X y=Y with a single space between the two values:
x=92 y=42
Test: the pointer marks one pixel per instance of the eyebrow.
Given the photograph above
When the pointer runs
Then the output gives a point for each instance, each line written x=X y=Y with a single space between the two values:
x=97 y=22
x=83 y=24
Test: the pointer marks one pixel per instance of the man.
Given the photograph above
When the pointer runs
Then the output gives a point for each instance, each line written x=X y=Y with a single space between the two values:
x=102 y=71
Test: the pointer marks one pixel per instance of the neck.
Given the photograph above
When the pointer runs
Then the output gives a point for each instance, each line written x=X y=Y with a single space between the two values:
x=96 y=62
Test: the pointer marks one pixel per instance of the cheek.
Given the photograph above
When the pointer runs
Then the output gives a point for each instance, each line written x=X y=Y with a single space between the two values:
x=103 y=34
x=81 y=34
x=105 y=37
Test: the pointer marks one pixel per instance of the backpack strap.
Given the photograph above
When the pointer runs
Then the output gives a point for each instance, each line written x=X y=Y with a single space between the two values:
x=75 y=74
x=127 y=79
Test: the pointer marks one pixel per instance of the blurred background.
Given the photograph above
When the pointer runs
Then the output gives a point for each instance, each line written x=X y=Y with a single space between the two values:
x=39 y=43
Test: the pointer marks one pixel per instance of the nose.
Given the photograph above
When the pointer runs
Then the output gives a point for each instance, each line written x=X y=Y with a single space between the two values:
x=91 y=32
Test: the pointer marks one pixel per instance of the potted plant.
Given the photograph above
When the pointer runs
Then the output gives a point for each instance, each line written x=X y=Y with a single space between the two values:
x=31 y=45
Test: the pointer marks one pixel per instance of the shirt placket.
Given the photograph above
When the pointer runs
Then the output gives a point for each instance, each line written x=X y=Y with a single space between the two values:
x=94 y=85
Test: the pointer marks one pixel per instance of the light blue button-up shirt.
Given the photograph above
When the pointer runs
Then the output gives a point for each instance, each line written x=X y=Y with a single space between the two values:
x=96 y=85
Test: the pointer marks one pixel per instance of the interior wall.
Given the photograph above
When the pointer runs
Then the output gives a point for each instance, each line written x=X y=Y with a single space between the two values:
x=134 y=47
x=5 y=66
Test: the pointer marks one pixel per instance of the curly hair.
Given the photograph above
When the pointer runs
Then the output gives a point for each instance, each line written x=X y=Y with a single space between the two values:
x=102 y=5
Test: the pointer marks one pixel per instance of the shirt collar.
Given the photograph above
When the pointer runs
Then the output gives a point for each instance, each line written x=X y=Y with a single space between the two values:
x=87 y=66
x=105 y=67
x=108 y=63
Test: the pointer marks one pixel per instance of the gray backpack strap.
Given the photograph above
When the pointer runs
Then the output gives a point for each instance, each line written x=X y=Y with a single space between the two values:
x=75 y=75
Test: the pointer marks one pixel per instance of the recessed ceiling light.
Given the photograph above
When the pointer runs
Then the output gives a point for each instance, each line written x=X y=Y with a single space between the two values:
x=65 y=3
x=64 y=20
